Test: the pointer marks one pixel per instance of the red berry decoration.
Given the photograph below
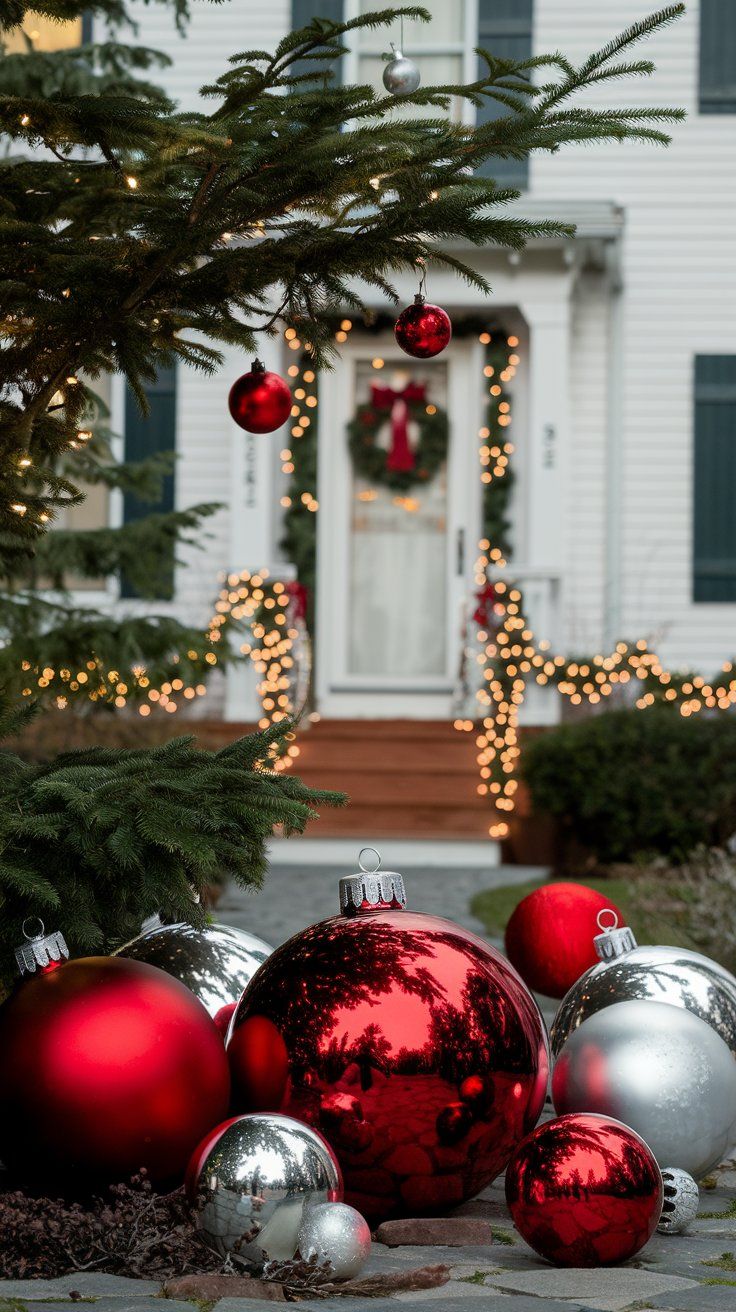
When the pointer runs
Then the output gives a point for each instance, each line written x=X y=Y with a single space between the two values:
x=109 y=1066
x=550 y=936
x=584 y=1190
x=423 y=330
x=412 y=1045
x=259 y=402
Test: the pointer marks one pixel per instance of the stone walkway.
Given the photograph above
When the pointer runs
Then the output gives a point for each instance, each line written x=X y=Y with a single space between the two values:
x=695 y=1272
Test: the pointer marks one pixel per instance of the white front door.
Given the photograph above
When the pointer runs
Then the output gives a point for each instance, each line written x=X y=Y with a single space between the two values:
x=393 y=565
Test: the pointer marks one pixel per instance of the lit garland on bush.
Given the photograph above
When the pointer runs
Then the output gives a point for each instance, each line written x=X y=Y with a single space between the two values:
x=510 y=656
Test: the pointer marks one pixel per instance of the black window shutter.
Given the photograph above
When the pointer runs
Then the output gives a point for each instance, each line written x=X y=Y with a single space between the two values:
x=145 y=435
x=504 y=29
x=302 y=12
x=717 y=57
x=714 y=511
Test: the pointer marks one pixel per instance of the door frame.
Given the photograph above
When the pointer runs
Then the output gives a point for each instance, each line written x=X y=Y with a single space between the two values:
x=340 y=694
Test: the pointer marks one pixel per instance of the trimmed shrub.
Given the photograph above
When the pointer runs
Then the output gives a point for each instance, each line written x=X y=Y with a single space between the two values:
x=630 y=783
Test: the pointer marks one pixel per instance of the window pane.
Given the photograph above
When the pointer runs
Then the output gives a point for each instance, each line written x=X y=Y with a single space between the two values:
x=717 y=57
x=447 y=26
x=45 y=34
x=714 y=522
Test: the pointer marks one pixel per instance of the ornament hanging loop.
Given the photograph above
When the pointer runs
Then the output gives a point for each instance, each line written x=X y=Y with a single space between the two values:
x=31 y=935
x=614 y=940
x=372 y=869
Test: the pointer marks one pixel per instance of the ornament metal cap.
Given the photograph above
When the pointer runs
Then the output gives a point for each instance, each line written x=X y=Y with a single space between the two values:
x=40 y=950
x=371 y=889
x=614 y=940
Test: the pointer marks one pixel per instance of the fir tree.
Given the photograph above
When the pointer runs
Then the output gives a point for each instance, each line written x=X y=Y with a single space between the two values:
x=281 y=192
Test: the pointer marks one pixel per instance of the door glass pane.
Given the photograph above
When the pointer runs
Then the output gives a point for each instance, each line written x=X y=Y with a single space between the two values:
x=397 y=622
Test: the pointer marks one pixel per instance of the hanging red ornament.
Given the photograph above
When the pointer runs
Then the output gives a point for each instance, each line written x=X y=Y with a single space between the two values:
x=412 y=1045
x=109 y=1066
x=584 y=1190
x=259 y=401
x=550 y=936
x=423 y=330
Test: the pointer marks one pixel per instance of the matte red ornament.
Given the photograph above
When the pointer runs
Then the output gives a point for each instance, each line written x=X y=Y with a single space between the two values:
x=413 y=1046
x=259 y=401
x=550 y=936
x=109 y=1065
x=584 y=1190
x=259 y=1065
x=423 y=330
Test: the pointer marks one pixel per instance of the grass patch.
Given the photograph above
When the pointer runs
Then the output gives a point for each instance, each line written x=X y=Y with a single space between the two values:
x=730 y=1211
x=718 y=1280
x=502 y=1237
x=478 y=1277
x=727 y=1262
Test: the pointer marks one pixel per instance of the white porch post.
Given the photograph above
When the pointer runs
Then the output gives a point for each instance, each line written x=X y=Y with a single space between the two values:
x=549 y=427
x=252 y=514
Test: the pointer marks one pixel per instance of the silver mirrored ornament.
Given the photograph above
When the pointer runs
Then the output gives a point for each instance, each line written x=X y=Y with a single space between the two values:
x=216 y=962
x=337 y=1234
x=681 y=1198
x=401 y=76
x=253 y=1186
x=662 y=1071
x=659 y=974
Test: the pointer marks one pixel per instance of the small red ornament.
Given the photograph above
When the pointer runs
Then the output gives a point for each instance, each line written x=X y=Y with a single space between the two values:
x=550 y=936
x=584 y=1190
x=259 y=1066
x=109 y=1066
x=223 y=1017
x=259 y=402
x=423 y=330
x=412 y=1045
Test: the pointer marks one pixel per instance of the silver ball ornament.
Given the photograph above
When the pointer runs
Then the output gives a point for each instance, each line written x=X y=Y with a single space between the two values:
x=659 y=974
x=681 y=1198
x=662 y=1071
x=252 y=1186
x=338 y=1234
x=216 y=962
x=401 y=76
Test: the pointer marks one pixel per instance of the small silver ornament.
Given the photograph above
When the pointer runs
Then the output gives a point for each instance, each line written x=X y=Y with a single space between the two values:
x=401 y=76
x=256 y=1181
x=336 y=1234
x=662 y=1071
x=216 y=962
x=659 y=974
x=681 y=1198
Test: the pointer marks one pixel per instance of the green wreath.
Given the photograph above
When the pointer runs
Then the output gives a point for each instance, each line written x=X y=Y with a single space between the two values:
x=371 y=462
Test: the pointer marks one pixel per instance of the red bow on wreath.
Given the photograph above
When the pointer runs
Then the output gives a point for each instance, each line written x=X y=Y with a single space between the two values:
x=400 y=456
x=298 y=597
x=484 y=615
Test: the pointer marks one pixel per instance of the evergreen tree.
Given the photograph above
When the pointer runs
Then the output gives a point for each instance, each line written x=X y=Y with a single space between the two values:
x=283 y=193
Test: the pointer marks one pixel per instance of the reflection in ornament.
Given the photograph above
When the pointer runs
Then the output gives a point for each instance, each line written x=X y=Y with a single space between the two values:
x=412 y=1044
x=584 y=1191
x=215 y=962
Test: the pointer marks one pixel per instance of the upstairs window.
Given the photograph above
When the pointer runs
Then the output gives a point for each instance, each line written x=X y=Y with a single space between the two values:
x=505 y=30
x=717 y=56
x=714 y=480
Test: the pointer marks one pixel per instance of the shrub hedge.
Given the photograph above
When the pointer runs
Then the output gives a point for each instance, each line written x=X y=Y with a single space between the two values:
x=630 y=783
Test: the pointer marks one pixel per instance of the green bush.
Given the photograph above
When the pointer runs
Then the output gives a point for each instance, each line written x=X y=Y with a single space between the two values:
x=634 y=782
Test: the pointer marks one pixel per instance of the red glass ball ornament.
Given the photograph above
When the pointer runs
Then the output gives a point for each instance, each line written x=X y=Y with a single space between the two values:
x=109 y=1066
x=549 y=938
x=584 y=1190
x=259 y=401
x=423 y=330
x=259 y=1065
x=412 y=1045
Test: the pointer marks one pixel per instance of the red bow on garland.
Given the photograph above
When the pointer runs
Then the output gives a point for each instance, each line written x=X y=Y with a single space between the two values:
x=483 y=614
x=298 y=597
x=400 y=456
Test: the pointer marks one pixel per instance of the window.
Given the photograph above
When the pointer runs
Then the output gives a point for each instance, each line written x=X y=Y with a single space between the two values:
x=144 y=436
x=302 y=13
x=714 y=517
x=437 y=47
x=717 y=57
x=44 y=33
x=504 y=29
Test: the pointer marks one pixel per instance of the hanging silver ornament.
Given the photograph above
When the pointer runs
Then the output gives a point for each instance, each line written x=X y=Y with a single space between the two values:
x=659 y=974
x=662 y=1071
x=401 y=76
x=335 y=1233
x=681 y=1198
x=252 y=1186
x=216 y=962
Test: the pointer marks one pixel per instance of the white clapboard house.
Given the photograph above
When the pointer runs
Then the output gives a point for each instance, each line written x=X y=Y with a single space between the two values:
x=624 y=398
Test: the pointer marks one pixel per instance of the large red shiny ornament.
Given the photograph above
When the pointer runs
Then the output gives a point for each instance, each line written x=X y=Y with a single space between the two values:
x=413 y=1046
x=550 y=936
x=423 y=330
x=584 y=1190
x=108 y=1065
x=259 y=401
